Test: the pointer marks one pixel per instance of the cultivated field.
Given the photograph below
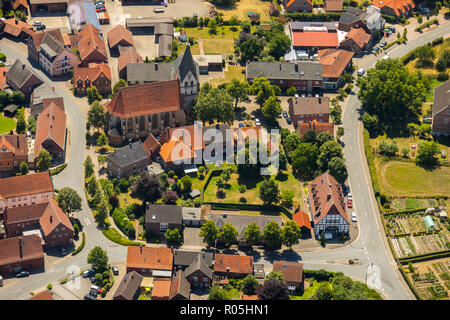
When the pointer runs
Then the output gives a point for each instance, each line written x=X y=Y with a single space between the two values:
x=431 y=279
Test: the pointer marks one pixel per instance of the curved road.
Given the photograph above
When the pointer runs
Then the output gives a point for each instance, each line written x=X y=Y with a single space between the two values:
x=376 y=267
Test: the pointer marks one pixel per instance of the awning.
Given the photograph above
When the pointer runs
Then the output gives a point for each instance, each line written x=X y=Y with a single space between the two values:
x=162 y=273
x=189 y=168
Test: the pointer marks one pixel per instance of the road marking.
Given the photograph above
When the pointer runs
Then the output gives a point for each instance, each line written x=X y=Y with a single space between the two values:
x=88 y=222
x=18 y=290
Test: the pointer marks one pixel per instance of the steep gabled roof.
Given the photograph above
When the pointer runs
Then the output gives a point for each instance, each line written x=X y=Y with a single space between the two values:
x=176 y=150
x=19 y=73
x=441 y=97
x=51 y=46
x=199 y=264
x=129 y=154
x=399 y=6
x=151 y=258
x=90 y=40
x=302 y=219
x=16 y=143
x=359 y=35
x=233 y=263
x=25 y=213
x=334 y=62
x=119 y=34
x=128 y=286
x=92 y=72
x=180 y=286
x=292 y=271
x=53 y=218
x=51 y=124
x=38 y=37
x=17 y=3
x=10 y=252
x=26 y=185
x=129 y=56
x=186 y=63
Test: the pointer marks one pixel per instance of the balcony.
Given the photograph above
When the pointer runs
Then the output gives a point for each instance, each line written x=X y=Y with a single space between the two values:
x=62 y=61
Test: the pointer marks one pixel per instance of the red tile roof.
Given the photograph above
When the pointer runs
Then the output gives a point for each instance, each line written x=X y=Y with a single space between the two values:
x=150 y=258
x=119 y=34
x=92 y=72
x=399 y=6
x=359 y=35
x=290 y=2
x=43 y=295
x=292 y=271
x=250 y=297
x=90 y=40
x=15 y=27
x=315 y=39
x=54 y=217
x=25 y=213
x=235 y=263
x=38 y=37
x=316 y=126
x=10 y=249
x=17 y=3
x=302 y=219
x=150 y=144
x=26 y=185
x=16 y=143
x=59 y=102
x=147 y=98
x=51 y=124
x=334 y=62
x=161 y=289
x=175 y=150
x=129 y=56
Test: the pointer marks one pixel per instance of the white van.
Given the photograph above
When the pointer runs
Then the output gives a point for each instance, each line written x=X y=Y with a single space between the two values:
x=353 y=216
x=95 y=288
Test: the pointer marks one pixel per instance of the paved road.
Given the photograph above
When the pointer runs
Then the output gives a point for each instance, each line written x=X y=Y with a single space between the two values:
x=376 y=263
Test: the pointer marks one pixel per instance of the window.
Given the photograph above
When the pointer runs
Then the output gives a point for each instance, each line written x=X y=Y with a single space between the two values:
x=195 y=278
x=163 y=226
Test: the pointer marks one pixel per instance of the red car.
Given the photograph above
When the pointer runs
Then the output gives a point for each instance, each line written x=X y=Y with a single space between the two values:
x=349 y=204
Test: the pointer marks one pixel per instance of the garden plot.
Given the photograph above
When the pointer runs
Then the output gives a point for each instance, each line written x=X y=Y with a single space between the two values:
x=401 y=204
x=413 y=224
x=432 y=279
x=406 y=247
x=396 y=246
x=430 y=243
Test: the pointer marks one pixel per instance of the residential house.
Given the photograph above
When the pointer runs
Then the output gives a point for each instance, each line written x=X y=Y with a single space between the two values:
x=292 y=273
x=155 y=262
x=56 y=227
x=48 y=6
x=94 y=75
x=303 y=220
x=183 y=68
x=298 y=5
x=241 y=221
x=51 y=132
x=91 y=45
x=302 y=75
x=441 y=110
x=25 y=218
x=119 y=36
x=21 y=253
x=21 y=5
x=128 y=288
x=176 y=155
x=130 y=55
x=326 y=201
x=199 y=273
x=15 y=28
x=357 y=40
x=180 y=288
x=128 y=160
x=395 y=8
x=159 y=218
x=332 y=5
x=184 y=258
x=161 y=289
x=20 y=78
x=42 y=93
x=208 y=62
x=135 y=111
x=307 y=109
x=151 y=146
x=335 y=63
x=14 y=151
x=312 y=36
x=43 y=295
x=26 y=190
x=371 y=19
x=232 y=266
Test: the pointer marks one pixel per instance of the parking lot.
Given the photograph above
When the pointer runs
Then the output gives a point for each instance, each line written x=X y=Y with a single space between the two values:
x=52 y=22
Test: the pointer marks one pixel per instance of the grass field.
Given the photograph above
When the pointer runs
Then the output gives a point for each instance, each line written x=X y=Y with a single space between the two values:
x=244 y=6
x=223 y=32
x=406 y=179
x=233 y=72
x=6 y=124
x=225 y=46
x=411 y=66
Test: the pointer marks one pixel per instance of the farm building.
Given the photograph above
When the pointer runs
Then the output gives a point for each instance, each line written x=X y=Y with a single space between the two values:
x=429 y=223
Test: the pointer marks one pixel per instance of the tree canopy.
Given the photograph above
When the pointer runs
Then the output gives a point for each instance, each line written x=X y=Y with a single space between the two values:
x=214 y=104
x=69 y=200
x=147 y=188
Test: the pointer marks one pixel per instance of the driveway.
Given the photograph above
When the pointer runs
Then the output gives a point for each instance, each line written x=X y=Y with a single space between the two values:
x=192 y=238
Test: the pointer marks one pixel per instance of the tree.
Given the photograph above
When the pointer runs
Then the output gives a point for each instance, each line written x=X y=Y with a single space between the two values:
x=20 y=15
x=323 y=292
x=252 y=234
x=214 y=104
x=336 y=114
x=170 y=197
x=425 y=130
x=88 y=167
x=187 y=184
x=173 y=236
x=69 y=200
x=238 y=90
x=304 y=159
x=391 y=92
x=271 y=109
x=273 y=290
x=269 y=192
x=262 y=88
x=217 y=293
x=337 y=169
x=323 y=137
x=209 y=232
x=21 y=126
x=282 y=162
x=98 y=259
x=328 y=150
x=146 y=188
x=212 y=25
x=425 y=55
x=340 y=132
x=291 y=143
x=102 y=212
x=272 y=234
x=427 y=154
x=96 y=115
x=93 y=95
x=444 y=61
x=322 y=238
x=249 y=285
x=278 y=45
x=119 y=84
x=251 y=49
x=44 y=160
x=290 y=233
x=24 y=168
x=17 y=97
x=228 y=234
x=274 y=275
x=246 y=27
x=102 y=140
x=371 y=124
x=291 y=91
x=32 y=124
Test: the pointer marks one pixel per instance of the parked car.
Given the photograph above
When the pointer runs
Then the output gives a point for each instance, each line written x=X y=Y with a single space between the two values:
x=95 y=288
x=288 y=120
x=36 y=23
x=361 y=71
x=347 y=189
x=241 y=125
x=92 y=280
x=40 y=27
x=93 y=293
x=285 y=114
x=353 y=216
x=88 y=273
x=1 y=281
x=425 y=10
x=22 y=274
x=375 y=50
x=89 y=297
x=386 y=57
x=383 y=44
x=115 y=270
x=257 y=122
x=350 y=204
x=349 y=196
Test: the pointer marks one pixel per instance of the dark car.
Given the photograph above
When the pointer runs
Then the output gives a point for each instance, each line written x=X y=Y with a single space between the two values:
x=89 y=297
x=40 y=27
x=22 y=274
x=93 y=293
x=288 y=120
x=88 y=273
x=115 y=270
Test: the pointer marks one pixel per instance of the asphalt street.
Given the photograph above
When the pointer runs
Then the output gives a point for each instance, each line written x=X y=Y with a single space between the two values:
x=376 y=265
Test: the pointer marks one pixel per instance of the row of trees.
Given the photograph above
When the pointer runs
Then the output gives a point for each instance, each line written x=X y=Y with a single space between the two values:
x=273 y=235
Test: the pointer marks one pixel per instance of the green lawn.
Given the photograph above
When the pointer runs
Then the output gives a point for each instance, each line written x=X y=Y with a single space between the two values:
x=407 y=179
x=223 y=32
x=225 y=46
x=233 y=72
x=6 y=124
x=309 y=292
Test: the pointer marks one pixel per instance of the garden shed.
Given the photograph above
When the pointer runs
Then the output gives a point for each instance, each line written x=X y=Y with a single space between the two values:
x=429 y=223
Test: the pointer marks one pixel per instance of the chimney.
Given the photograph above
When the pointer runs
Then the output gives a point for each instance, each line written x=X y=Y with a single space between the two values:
x=296 y=67
x=20 y=247
x=140 y=248
x=156 y=67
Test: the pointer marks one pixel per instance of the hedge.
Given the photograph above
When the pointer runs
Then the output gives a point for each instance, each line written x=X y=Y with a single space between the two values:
x=390 y=19
x=2 y=57
x=116 y=237
x=77 y=250
x=123 y=223
x=58 y=169
x=309 y=16
x=425 y=257
x=410 y=285
x=371 y=163
x=427 y=24
x=403 y=212
x=319 y=275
